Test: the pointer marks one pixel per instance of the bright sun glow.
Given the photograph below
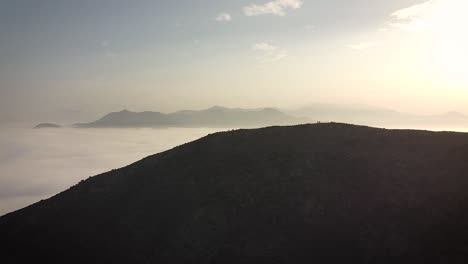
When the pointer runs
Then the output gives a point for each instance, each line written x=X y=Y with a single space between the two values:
x=447 y=23
x=441 y=26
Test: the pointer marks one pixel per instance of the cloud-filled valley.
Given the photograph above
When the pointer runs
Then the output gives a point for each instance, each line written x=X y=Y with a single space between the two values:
x=35 y=164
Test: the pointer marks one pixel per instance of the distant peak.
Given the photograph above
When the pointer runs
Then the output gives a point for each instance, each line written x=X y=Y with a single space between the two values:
x=270 y=109
x=47 y=125
x=217 y=107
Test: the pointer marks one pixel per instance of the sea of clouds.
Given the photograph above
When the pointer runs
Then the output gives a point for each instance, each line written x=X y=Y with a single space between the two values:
x=36 y=164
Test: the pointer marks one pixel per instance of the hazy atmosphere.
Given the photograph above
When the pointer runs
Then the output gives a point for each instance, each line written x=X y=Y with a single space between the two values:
x=72 y=61
x=395 y=64
x=235 y=131
x=35 y=164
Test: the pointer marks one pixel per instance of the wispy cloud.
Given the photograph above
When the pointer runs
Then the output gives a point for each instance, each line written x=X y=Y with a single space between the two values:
x=268 y=52
x=223 y=17
x=363 y=45
x=105 y=44
x=265 y=47
x=108 y=51
x=276 y=7
x=415 y=17
x=433 y=16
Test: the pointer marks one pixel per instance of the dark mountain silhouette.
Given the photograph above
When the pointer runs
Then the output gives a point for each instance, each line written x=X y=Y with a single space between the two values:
x=213 y=117
x=322 y=193
x=369 y=115
x=47 y=125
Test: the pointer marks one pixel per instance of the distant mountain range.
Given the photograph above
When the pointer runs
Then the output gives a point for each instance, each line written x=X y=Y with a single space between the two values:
x=223 y=117
x=212 y=117
x=375 y=116
x=323 y=193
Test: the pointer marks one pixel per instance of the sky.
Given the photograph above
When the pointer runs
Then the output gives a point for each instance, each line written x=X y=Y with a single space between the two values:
x=73 y=61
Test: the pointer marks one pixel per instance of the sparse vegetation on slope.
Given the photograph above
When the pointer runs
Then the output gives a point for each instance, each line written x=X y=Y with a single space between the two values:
x=322 y=193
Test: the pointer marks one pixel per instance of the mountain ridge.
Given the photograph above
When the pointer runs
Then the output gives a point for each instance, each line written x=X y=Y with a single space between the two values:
x=223 y=117
x=212 y=117
x=377 y=116
x=47 y=125
x=325 y=193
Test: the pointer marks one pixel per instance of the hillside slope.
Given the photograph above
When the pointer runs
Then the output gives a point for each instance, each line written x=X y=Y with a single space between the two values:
x=322 y=193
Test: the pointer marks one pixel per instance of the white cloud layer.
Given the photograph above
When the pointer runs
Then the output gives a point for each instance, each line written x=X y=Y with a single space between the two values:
x=36 y=164
x=276 y=7
x=223 y=17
